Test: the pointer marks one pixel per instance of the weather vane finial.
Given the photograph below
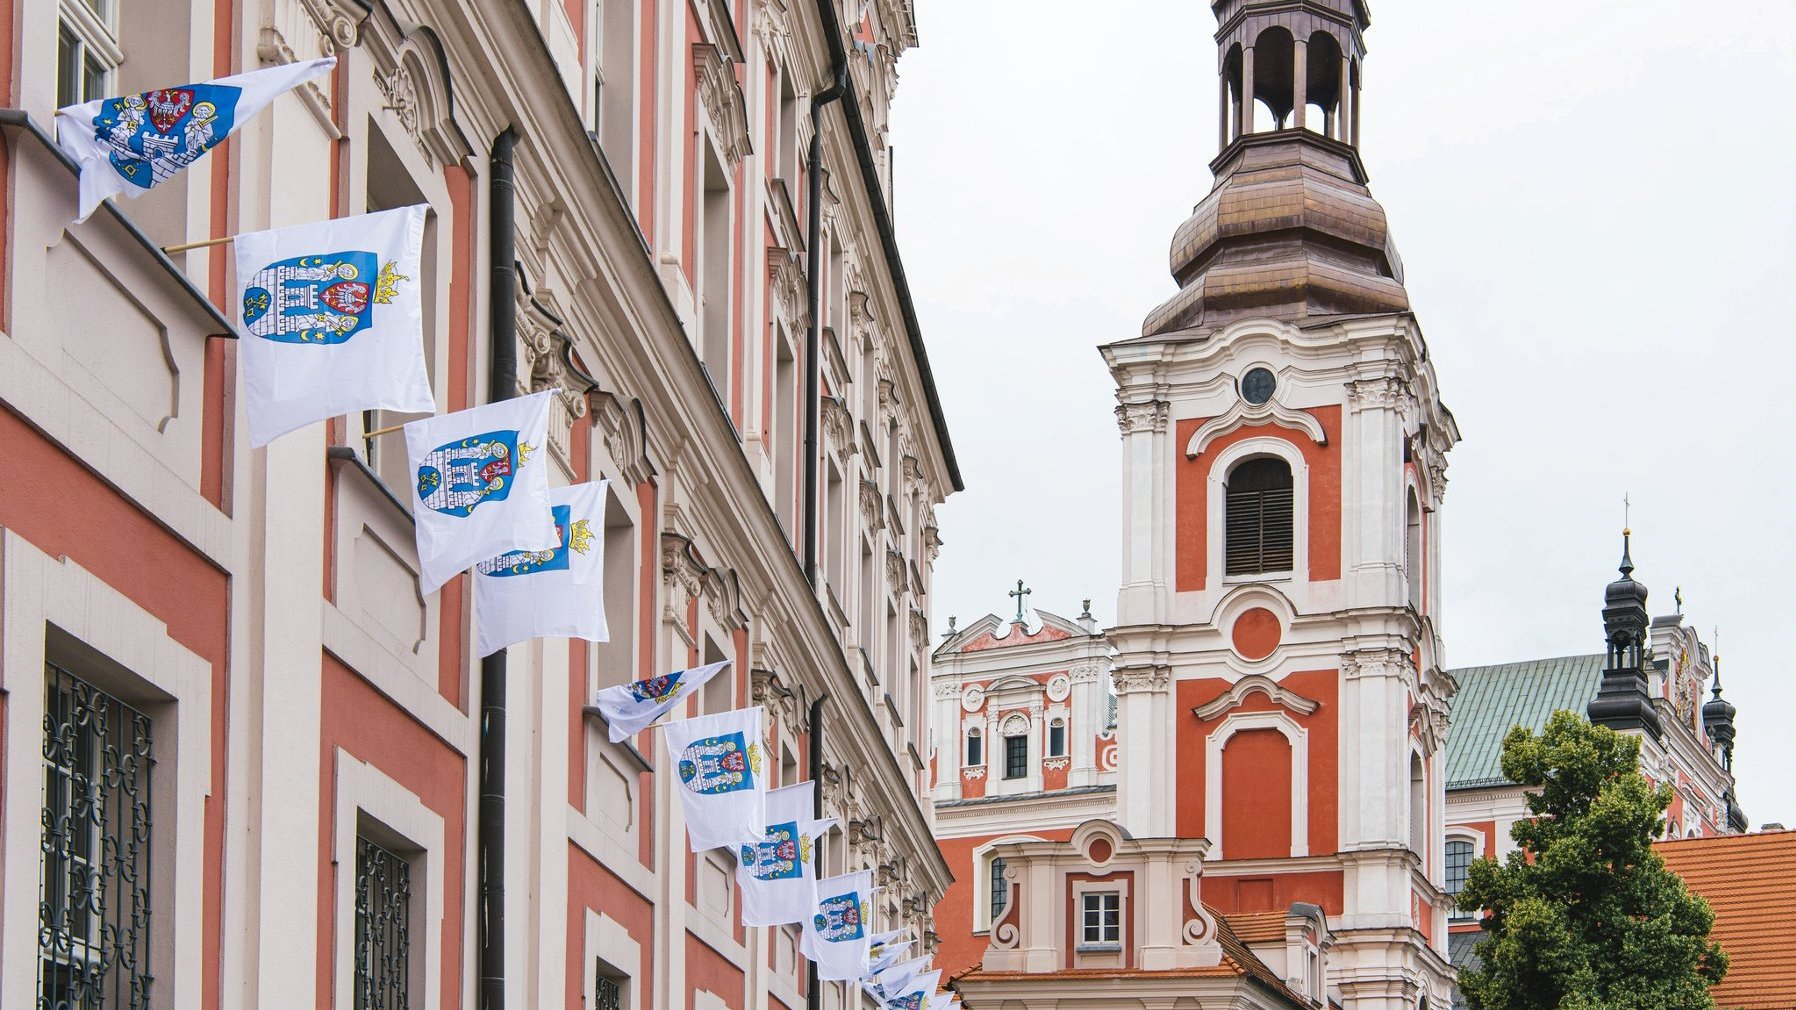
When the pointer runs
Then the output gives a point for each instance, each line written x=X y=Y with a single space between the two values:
x=1019 y=592
x=1627 y=508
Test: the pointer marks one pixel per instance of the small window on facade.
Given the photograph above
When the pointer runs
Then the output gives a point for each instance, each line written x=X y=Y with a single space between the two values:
x=1057 y=738
x=1101 y=922
x=1000 y=892
x=607 y=989
x=94 y=905
x=1258 y=527
x=975 y=749
x=1016 y=757
x=87 y=50
x=1459 y=857
x=383 y=893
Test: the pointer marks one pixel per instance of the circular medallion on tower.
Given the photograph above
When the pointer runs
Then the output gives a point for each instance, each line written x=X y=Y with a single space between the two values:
x=1256 y=633
x=1257 y=385
x=1059 y=686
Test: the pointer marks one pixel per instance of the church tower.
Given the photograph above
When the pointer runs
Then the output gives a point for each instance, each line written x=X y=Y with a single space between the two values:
x=1277 y=643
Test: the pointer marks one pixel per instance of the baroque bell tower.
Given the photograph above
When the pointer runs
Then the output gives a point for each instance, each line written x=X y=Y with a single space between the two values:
x=1284 y=466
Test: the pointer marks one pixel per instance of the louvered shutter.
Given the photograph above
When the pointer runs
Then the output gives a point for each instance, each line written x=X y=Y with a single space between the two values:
x=1259 y=532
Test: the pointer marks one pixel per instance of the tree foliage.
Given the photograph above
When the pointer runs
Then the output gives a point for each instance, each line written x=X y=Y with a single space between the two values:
x=1586 y=915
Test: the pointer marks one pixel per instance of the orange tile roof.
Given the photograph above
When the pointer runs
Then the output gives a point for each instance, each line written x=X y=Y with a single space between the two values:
x=1750 y=882
x=1258 y=927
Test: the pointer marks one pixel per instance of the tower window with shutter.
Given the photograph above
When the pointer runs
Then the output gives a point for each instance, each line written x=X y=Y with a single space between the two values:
x=1259 y=526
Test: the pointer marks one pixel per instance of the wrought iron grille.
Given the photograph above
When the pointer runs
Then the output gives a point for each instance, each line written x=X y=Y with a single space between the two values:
x=383 y=892
x=93 y=911
x=607 y=994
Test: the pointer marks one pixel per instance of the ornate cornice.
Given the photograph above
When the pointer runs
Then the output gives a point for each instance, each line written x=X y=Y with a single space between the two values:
x=1243 y=414
x=1256 y=684
x=1148 y=416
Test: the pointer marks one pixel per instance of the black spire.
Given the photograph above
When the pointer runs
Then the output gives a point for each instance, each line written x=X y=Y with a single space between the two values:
x=1718 y=720
x=1622 y=701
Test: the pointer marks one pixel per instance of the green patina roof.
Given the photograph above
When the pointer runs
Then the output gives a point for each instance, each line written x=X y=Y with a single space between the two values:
x=1491 y=699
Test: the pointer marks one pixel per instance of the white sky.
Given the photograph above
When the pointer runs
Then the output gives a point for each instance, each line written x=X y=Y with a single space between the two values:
x=1596 y=208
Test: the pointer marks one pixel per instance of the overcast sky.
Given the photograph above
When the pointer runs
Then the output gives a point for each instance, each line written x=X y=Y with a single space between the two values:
x=1597 y=215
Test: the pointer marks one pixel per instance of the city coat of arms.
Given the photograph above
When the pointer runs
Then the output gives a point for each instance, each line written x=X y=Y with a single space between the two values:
x=151 y=136
x=574 y=534
x=456 y=477
x=323 y=299
x=719 y=764
x=782 y=856
x=838 y=919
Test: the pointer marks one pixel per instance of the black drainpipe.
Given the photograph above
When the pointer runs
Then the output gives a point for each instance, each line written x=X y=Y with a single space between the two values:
x=813 y=996
x=502 y=385
x=813 y=341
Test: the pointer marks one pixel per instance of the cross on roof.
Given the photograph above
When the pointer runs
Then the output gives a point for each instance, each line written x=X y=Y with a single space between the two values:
x=1020 y=592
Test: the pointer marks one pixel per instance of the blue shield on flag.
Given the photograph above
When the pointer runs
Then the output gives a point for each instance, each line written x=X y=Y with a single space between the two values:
x=657 y=688
x=781 y=857
x=911 y=1001
x=456 y=477
x=530 y=562
x=838 y=919
x=324 y=299
x=151 y=136
x=719 y=764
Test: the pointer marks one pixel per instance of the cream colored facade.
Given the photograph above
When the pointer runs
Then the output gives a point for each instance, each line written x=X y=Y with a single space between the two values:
x=259 y=609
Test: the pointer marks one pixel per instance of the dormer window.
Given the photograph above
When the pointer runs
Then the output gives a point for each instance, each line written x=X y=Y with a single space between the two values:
x=1259 y=528
x=1100 y=920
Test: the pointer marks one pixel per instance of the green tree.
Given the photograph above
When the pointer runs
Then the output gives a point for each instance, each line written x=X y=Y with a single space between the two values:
x=1586 y=915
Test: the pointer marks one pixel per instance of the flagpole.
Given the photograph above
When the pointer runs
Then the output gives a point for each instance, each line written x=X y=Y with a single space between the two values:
x=170 y=250
x=502 y=385
x=813 y=997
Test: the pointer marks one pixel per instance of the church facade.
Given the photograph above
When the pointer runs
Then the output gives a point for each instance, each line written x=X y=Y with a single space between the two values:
x=1271 y=703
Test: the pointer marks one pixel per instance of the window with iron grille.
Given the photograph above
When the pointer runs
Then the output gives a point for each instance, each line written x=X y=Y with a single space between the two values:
x=383 y=892
x=94 y=892
x=607 y=990
x=1016 y=757
x=1459 y=857
x=1000 y=891
x=1101 y=924
x=1258 y=526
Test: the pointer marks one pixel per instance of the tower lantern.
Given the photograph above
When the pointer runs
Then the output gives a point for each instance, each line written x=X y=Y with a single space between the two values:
x=1301 y=60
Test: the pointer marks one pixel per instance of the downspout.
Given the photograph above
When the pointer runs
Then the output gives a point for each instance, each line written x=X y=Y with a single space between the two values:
x=501 y=385
x=813 y=996
x=813 y=341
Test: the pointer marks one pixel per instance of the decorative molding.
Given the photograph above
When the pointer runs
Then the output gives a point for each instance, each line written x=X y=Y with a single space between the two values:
x=1055 y=764
x=1374 y=662
x=773 y=26
x=873 y=511
x=1243 y=413
x=919 y=626
x=409 y=71
x=787 y=704
x=1059 y=686
x=1297 y=737
x=973 y=698
x=1014 y=724
x=895 y=570
x=1150 y=678
x=945 y=689
x=1086 y=674
x=1382 y=392
x=838 y=426
x=682 y=568
x=1006 y=932
x=976 y=772
x=722 y=98
x=785 y=275
x=624 y=428
x=1148 y=416
x=545 y=349
x=1255 y=683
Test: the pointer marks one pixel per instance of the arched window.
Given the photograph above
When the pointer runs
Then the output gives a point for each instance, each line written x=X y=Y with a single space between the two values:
x=1057 y=738
x=1459 y=859
x=1418 y=807
x=1412 y=549
x=1259 y=531
x=975 y=749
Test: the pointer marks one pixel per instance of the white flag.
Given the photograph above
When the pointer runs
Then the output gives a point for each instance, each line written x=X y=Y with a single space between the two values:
x=914 y=994
x=941 y=1001
x=722 y=764
x=892 y=980
x=886 y=955
x=480 y=485
x=331 y=320
x=890 y=936
x=554 y=593
x=130 y=143
x=630 y=708
x=778 y=876
x=835 y=934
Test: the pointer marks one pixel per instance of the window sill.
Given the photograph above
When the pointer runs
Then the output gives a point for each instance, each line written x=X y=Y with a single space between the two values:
x=1242 y=580
x=1098 y=948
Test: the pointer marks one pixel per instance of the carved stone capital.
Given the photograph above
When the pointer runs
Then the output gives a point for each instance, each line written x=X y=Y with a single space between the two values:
x=1375 y=663
x=1086 y=674
x=1141 y=678
x=1148 y=416
x=1383 y=392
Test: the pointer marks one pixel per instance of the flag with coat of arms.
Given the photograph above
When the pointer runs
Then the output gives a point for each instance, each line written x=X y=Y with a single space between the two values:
x=721 y=761
x=777 y=875
x=331 y=320
x=554 y=593
x=836 y=936
x=885 y=955
x=942 y=1001
x=890 y=981
x=480 y=486
x=130 y=143
x=631 y=708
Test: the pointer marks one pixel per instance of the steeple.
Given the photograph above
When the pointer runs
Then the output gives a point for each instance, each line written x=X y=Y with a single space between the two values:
x=1718 y=720
x=1622 y=701
x=1290 y=229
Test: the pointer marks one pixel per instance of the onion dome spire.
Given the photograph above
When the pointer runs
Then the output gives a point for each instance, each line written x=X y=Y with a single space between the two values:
x=1623 y=701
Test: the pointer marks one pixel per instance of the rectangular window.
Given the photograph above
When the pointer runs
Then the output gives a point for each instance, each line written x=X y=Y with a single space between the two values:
x=1000 y=892
x=975 y=750
x=383 y=891
x=94 y=902
x=87 y=50
x=1057 y=739
x=607 y=990
x=1016 y=757
x=1101 y=922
